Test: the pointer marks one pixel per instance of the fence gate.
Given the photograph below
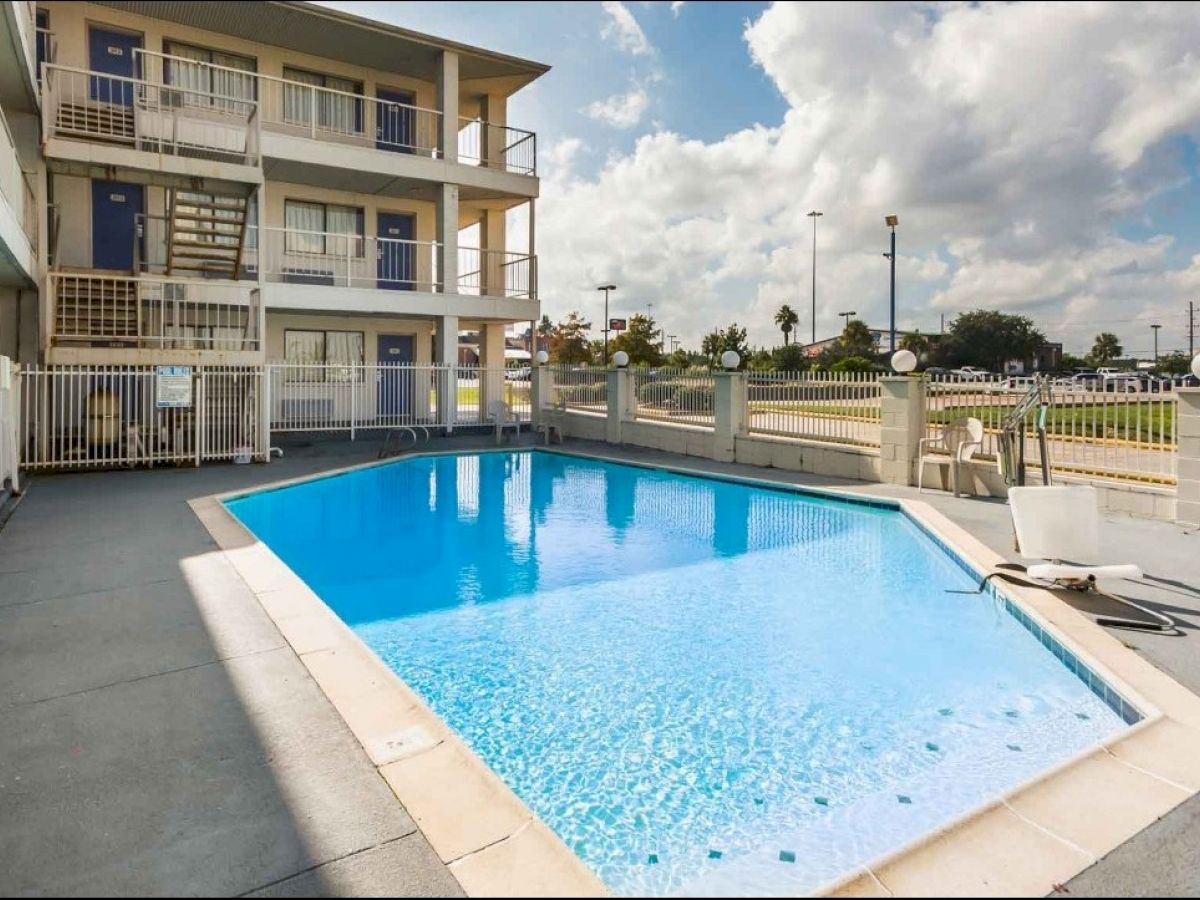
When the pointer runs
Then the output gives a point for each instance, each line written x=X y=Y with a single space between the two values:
x=111 y=416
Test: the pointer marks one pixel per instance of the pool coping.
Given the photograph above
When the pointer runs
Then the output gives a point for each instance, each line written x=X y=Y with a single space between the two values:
x=1033 y=837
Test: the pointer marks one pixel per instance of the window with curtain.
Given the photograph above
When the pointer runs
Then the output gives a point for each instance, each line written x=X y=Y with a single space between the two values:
x=323 y=228
x=335 y=111
x=330 y=349
x=208 y=72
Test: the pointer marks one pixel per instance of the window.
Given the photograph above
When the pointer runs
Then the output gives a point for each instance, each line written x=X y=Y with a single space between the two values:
x=323 y=229
x=336 y=110
x=329 y=349
x=211 y=77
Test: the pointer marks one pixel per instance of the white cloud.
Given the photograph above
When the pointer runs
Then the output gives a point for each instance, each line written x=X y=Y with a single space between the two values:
x=676 y=7
x=620 y=110
x=625 y=30
x=1012 y=140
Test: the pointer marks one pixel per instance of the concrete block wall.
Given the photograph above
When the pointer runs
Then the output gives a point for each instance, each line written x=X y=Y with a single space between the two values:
x=1187 y=505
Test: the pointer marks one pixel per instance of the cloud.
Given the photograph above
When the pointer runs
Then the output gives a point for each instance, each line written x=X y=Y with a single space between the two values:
x=676 y=7
x=1013 y=140
x=625 y=30
x=620 y=110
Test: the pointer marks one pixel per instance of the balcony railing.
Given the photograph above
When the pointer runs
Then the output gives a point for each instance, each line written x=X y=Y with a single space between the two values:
x=170 y=120
x=16 y=185
x=497 y=273
x=139 y=313
x=341 y=117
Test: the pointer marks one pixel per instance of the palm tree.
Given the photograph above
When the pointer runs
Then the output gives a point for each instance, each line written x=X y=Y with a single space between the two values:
x=1106 y=348
x=786 y=319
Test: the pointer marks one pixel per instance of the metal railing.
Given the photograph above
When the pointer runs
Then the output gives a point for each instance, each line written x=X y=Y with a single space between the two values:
x=123 y=311
x=839 y=407
x=493 y=146
x=16 y=185
x=1102 y=430
x=46 y=49
x=109 y=416
x=497 y=273
x=10 y=414
x=166 y=119
x=579 y=389
x=365 y=396
x=674 y=396
x=293 y=256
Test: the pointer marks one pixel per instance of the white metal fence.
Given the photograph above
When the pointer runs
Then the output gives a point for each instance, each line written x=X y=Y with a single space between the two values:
x=1094 y=430
x=110 y=416
x=840 y=407
x=579 y=389
x=674 y=396
x=10 y=414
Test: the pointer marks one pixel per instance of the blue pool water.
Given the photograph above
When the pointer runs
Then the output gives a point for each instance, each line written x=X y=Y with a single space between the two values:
x=703 y=687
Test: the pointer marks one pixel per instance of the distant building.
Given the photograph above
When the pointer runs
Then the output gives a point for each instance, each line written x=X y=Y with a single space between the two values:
x=878 y=335
x=1047 y=358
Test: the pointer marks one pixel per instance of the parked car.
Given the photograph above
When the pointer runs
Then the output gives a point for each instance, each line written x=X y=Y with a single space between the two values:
x=971 y=373
x=521 y=373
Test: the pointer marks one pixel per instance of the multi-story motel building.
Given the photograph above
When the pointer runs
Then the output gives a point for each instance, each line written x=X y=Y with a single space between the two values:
x=237 y=183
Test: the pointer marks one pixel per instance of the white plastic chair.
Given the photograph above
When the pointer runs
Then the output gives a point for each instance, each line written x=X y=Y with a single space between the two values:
x=502 y=415
x=960 y=439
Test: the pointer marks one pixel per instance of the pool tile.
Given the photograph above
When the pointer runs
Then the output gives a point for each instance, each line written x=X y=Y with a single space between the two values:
x=534 y=859
x=714 y=854
x=787 y=856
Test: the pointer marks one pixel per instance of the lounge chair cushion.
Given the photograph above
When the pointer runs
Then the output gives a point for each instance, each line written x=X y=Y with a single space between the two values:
x=1068 y=572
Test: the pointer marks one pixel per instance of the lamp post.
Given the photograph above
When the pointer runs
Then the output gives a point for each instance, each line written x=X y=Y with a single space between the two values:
x=814 y=215
x=846 y=316
x=1156 y=327
x=606 y=288
x=892 y=221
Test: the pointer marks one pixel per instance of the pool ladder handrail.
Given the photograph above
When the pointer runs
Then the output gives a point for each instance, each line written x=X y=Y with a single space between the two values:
x=399 y=431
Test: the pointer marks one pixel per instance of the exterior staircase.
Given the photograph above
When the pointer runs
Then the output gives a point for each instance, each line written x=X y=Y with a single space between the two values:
x=206 y=234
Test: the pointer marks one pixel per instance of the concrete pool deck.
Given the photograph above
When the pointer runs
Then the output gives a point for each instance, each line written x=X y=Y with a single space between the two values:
x=162 y=739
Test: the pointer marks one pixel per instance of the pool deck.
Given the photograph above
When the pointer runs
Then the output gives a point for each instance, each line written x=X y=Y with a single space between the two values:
x=163 y=736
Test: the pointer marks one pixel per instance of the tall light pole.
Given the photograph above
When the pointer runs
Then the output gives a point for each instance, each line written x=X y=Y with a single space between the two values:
x=606 y=288
x=892 y=221
x=814 y=215
x=1156 y=327
x=846 y=316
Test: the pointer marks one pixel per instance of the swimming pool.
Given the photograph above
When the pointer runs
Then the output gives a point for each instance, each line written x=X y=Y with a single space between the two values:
x=703 y=687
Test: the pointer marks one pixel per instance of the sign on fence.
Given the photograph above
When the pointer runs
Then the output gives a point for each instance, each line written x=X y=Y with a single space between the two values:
x=173 y=387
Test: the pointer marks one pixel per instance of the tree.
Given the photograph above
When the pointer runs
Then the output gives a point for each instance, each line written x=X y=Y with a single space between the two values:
x=916 y=342
x=852 y=364
x=569 y=341
x=1105 y=349
x=786 y=319
x=640 y=341
x=719 y=340
x=760 y=360
x=1177 y=363
x=790 y=358
x=857 y=340
x=1070 y=361
x=988 y=339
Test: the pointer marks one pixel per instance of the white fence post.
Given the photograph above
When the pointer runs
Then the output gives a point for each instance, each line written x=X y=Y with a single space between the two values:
x=902 y=424
x=620 y=403
x=729 y=413
x=1187 y=495
x=198 y=416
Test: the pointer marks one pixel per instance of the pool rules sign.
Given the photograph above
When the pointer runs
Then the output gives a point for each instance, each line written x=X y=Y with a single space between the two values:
x=173 y=387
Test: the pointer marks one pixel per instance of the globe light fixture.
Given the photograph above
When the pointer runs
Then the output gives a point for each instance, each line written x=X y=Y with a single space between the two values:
x=620 y=359
x=542 y=357
x=730 y=359
x=1196 y=366
x=904 y=361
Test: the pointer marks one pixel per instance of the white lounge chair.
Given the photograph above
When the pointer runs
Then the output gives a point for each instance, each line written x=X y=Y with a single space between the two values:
x=501 y=414
x=960 y=439
x=1061 y=524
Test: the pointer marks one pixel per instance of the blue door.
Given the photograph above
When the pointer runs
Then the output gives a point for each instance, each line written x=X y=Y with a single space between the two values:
x=111 y=52
x=115 y=206
x=396 y=376
x=396 y=123
x=396 y=263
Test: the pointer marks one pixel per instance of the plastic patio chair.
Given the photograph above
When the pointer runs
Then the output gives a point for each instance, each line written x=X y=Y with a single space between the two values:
x=502 y=415
x=961 y=439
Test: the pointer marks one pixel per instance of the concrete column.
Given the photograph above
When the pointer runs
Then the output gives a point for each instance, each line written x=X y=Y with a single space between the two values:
x=491 y=361
x=902 y=425
x=729 y=413
x=446 y=354
x=446 y=216
x=493 y=110
x=1187 y=491
x=620 y=403
x=447 y=104
x=491 y=264
x=541 y=387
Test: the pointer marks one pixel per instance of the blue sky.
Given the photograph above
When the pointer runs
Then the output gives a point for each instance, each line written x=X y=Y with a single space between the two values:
x=1043 y=158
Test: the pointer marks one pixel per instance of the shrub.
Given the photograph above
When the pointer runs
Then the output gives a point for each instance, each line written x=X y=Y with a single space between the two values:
x=695 y=399
x=584 y=393
x=658 y=393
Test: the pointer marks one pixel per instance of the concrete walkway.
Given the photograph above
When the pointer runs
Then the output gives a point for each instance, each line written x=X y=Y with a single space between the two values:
x=160 y=737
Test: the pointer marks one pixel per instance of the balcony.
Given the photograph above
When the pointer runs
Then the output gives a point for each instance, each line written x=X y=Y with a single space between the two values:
x=338 y=117
x=164 y=121
x=16 y=186
x=120 y=312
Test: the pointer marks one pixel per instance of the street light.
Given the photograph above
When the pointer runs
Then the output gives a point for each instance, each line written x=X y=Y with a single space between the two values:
x=892 y=221
x=846 y=316
x=1156 y=327
x=606 y=288
x=814 y=215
